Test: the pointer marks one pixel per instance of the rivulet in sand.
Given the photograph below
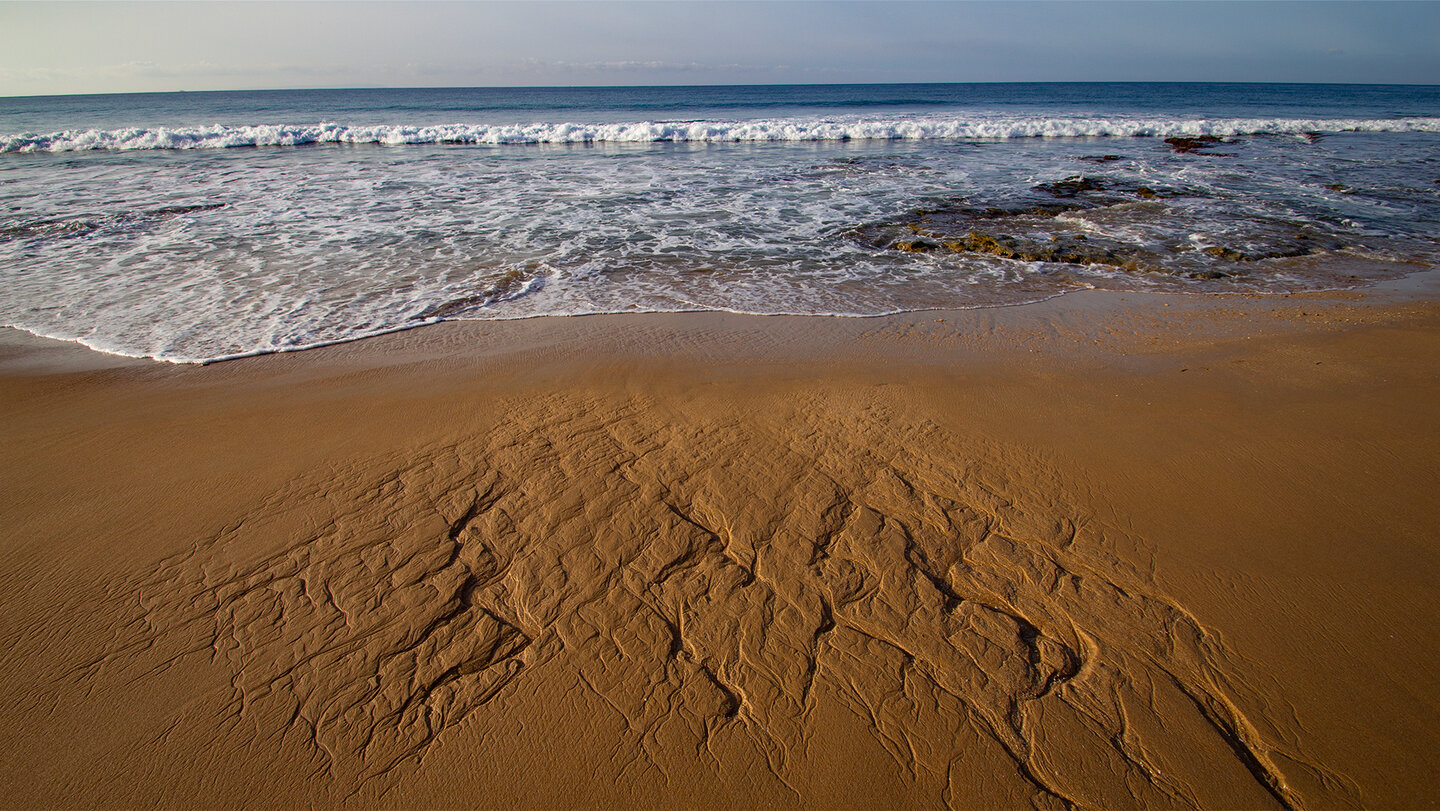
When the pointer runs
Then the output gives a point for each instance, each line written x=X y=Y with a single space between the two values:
x=1073 y=555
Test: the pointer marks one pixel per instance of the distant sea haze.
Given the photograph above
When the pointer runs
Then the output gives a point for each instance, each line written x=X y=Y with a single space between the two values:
x=199 y=226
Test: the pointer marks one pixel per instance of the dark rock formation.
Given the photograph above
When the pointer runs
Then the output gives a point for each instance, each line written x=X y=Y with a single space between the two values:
x=1195 y=145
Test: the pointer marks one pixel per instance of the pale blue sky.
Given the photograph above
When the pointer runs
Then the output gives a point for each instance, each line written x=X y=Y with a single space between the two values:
x=78 y=47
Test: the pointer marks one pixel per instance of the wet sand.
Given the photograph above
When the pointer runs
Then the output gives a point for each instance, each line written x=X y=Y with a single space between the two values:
x=1107 y=551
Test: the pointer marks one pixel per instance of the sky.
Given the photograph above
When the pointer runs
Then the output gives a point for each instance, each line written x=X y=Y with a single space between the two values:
x=122 y=46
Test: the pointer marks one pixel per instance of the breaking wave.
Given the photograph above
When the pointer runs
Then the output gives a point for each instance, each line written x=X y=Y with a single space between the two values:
x=762 y=130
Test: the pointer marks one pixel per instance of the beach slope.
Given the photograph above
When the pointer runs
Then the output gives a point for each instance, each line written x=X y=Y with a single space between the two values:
x=1100 y=552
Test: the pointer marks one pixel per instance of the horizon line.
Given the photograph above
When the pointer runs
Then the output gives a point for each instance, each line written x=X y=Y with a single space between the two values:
x=694 y=86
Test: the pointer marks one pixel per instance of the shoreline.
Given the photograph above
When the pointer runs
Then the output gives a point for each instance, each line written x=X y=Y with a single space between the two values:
x=18 y=345
x=1111 y=548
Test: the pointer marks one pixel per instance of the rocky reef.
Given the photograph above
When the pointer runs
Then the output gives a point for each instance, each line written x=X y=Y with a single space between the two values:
x=1067 y=222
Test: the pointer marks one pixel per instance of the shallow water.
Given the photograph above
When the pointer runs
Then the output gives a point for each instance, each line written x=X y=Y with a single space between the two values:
x=198 y=226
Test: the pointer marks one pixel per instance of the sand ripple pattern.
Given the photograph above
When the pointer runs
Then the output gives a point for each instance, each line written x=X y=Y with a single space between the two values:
x=712 y=586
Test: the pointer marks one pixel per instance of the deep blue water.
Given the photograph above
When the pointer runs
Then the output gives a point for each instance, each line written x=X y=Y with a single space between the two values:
x=482 y=105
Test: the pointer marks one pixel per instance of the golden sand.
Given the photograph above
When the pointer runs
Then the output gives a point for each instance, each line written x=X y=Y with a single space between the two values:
x=1102 y=552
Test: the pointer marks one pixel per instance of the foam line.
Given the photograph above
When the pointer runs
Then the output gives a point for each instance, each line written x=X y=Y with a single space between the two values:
x=759 y=130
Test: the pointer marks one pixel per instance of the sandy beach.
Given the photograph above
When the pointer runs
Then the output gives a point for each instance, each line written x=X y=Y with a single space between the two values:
x=1106 y=551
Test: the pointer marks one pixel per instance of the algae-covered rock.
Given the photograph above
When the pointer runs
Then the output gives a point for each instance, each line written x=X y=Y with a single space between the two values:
x=1069 y=250
x=916 y=246
x=1103 y=212
x=985 y=243
x=1229 y=254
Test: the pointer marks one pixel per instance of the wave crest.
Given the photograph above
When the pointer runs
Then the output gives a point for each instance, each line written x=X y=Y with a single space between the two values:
x=764 y=130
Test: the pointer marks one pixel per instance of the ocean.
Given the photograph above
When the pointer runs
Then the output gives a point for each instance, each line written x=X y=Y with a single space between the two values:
x=193 y=227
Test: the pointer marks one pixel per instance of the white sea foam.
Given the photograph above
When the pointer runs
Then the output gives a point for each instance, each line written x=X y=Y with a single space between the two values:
x=968 y=126
x=211 y=254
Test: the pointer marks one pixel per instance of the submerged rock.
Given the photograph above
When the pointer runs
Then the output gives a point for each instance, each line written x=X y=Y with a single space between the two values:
x=1081 y=187
x=1099 y=223
x=936 y=225
x=79 y=226
x=1300 y=243
x=1003 y=212
x=48 y=228
x=1195 y=144
x=171 y=211
x=1071 y=186
x=509 y=285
